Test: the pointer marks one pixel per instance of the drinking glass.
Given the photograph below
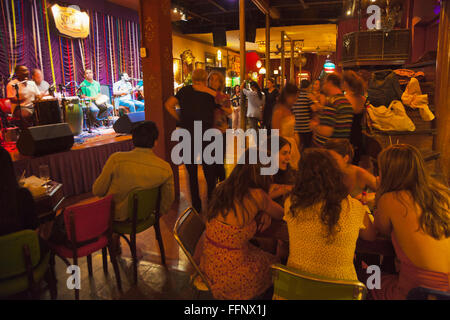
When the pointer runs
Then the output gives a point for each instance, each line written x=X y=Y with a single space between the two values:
x=44 y=174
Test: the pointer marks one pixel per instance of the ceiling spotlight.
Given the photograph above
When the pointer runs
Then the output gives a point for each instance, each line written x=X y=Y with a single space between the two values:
x=349 y=12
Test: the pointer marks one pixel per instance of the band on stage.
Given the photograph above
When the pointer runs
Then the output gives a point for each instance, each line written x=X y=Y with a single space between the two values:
x=90 y=107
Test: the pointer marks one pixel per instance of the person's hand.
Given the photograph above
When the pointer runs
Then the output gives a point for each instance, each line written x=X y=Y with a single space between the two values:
x=313 y=124
x=264 y=222
x=312 y=97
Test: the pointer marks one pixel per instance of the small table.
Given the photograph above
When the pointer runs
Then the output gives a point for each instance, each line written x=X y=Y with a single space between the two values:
x=48 y=204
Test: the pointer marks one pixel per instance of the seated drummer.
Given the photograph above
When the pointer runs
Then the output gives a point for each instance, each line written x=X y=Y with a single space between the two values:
x=91 y=89
x=41 y=84
x=28 y=94
x=123 y=89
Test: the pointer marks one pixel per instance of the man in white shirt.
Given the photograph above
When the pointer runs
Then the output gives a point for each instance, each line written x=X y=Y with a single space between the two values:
x=123 y=89
x=38 y=78
x=28 y=93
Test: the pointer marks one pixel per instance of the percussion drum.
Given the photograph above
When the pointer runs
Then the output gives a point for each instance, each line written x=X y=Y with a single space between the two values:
x=101 y=99
x=74 y=114
x=47 y=112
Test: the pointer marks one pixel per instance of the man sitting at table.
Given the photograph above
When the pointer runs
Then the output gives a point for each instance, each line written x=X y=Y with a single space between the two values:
x=127 y=171
x=123 y=89
x=91 y=89
x=136 y=169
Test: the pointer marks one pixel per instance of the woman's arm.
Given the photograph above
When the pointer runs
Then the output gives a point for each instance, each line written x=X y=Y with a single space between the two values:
x=369 y=232
x=367 y=178
x=382 y=215
x=170 y=105
x=278 y=190
x=272 y=208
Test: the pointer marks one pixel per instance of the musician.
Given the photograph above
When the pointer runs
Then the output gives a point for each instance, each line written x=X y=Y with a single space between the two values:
x=123 y=88
x=28 y=94
x=38 y=78
x=91 y=89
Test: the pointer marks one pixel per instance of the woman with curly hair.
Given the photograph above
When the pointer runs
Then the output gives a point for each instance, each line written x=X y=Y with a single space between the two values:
x=323 y=221
x=414 y=210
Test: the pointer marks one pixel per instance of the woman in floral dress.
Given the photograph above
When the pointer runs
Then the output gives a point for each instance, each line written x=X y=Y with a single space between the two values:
x=239 y=207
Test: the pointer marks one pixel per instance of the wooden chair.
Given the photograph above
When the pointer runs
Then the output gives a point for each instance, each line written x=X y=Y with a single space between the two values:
x=143 y=208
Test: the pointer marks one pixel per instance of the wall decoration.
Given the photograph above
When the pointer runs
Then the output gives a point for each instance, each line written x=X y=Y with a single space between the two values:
x=177 y=71
x=70 y=22
x=187 y=61
x=210 y=59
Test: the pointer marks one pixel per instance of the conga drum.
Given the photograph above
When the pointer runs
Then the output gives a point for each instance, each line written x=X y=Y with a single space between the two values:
x=74 y=114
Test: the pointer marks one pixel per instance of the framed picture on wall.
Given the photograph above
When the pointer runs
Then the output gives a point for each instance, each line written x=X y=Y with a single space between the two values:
x=177 y=71
x=210 y=59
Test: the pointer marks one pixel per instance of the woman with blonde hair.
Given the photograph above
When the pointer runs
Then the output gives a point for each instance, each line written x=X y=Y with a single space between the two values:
x=414 y=210
x=216 y=81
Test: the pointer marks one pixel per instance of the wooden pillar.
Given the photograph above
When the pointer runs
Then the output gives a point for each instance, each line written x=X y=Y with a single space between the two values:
x=243 y=62
x=442 y=89
x=157 y=64
x=268 y=71
x=283 y=61
x=292 y=65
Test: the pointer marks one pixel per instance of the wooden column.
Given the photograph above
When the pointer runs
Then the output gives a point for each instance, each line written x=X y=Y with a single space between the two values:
x=243 y=115
x=268 y=71
x=443 y=89
x=156 y=46
x=283 y=61
x=292 y=65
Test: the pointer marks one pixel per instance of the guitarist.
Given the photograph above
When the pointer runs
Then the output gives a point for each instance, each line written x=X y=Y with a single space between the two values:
x=123 y=90
x=91 y=89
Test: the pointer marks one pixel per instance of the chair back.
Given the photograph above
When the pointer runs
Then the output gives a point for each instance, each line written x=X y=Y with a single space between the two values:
x=88 y=221
x=19 y=252
x=422 y=293
x=292 y=284
x=143 y=203
x=187 y=231
x=5 y=106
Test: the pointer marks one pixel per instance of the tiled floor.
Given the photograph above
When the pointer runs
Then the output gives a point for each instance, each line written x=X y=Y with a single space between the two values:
x=154 y=280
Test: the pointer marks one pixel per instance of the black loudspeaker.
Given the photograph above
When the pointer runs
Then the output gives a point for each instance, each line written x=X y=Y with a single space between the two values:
x=219 y=37
x=40 y=140
x=47 y=112
x=126 y=122
x=250 y=32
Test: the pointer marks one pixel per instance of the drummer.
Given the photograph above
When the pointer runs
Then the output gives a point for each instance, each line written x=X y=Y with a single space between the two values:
x=38 y=78
x=28 y=94
x=91 y=89
x=123 y=89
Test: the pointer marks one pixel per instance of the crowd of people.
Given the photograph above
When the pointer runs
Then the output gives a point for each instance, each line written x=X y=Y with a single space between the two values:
x=309 y=215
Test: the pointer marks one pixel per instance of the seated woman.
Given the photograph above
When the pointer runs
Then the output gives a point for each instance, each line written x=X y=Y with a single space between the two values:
x=284 y=120
x=323 y=221
x=284 y=179
x=235 y=268
x=17 y=205
x=356 y=179
x=414 y=210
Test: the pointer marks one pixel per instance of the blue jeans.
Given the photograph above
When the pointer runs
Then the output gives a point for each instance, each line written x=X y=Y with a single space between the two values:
x=94 y=112
x=133 y=105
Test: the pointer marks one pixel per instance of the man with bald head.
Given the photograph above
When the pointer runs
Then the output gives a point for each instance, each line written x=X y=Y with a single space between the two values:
x=28 y=94
x=38 y=78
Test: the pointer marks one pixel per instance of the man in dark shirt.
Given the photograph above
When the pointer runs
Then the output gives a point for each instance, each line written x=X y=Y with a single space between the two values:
x=197 y=103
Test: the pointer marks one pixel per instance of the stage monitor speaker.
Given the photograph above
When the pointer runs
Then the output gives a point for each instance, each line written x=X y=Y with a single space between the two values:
x=40 y=140
x=220 y=37
x=126 y=122
x=250 y=33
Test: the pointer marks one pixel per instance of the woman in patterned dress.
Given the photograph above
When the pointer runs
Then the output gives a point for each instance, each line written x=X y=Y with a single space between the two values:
x=239 y=207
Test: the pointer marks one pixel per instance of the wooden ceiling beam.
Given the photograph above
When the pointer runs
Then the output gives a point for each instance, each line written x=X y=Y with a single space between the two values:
x=214 y=3
x=264 y=7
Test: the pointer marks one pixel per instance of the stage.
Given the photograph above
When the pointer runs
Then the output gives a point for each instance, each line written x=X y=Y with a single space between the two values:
x=78 y=168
